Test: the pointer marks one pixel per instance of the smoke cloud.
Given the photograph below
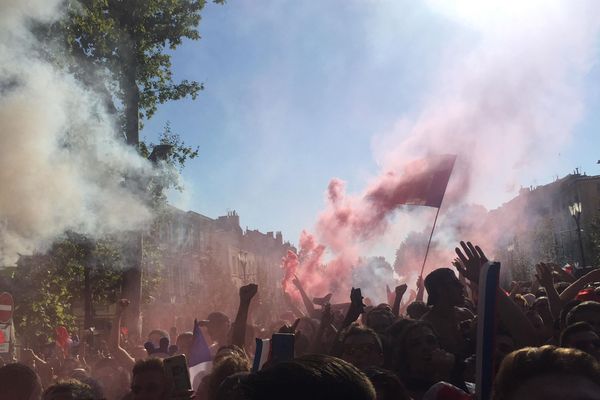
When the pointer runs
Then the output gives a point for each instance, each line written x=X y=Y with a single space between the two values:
x=62 y=166
x=504 y=101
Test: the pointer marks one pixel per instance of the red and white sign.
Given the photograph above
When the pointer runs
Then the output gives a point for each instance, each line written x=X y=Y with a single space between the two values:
x=6 y=307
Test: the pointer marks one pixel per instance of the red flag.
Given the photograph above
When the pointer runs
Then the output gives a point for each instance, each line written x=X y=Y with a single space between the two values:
x=423 y=183
x=2 y=338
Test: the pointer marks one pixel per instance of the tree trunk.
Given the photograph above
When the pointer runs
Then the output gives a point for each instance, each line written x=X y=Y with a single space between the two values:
x=132 y=283
x=132 y=276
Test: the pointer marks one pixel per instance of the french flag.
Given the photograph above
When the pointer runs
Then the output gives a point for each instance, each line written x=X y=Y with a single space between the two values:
x=200 y=359
x=262 y=354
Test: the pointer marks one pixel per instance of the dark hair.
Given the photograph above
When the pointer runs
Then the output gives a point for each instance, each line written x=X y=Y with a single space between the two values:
x=524 y=364
x=539 y=300
x=160 y=332
x=225 y=367
x=151 y=364
x=585 y=306
x=387 y=384
x=217 y=316
x=561 y=286
x=577 y=327
x=417 y=309
x=400 y=348
x=77 y=390
x=356 y=330
x=18 y=381
x=314 y=377
x=436 y=280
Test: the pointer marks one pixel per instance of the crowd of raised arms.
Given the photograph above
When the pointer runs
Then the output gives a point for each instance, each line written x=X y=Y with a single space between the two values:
x=546 y=345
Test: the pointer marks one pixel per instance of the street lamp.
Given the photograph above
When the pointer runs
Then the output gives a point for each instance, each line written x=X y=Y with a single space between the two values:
x=575 y=210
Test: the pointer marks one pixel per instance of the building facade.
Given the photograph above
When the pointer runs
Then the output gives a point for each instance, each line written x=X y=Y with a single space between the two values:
x=538 y=225
x=206 y=260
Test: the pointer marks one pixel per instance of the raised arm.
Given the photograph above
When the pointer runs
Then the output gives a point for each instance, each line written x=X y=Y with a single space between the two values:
x=238 y=336
x=570 y=292
x=326 y=321
x=544 y=277
x=120 y=353
x=310 y=307
x=297 y=312
x=472 y=259
x=356 y=308
x=420 y=288
x=399 y=291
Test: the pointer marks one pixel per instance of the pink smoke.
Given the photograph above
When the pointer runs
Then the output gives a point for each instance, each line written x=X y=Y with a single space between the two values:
x=506 y=103
x=289 y=263
x=349 y=225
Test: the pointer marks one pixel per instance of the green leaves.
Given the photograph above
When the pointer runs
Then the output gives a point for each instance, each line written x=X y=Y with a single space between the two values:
x=119 y=36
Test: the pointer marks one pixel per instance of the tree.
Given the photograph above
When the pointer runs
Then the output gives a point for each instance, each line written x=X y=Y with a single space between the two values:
x=128 y=44
x=594 y=241
x=46 y=286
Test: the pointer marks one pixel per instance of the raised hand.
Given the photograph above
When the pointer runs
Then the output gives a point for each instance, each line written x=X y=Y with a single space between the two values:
x=248 y=291
x=515 y=289
x=290 y=329
x=326 y=316
x=356 y=298
x=419 y=282
x=472 y=259
x=297 y=283
x=401 y=289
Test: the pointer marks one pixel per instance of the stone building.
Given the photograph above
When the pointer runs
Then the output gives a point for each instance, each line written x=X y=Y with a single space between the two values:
x=538 y=225
x=206 y=260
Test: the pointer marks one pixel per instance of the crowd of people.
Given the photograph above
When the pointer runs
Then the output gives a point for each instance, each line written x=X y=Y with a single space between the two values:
x=546 y=346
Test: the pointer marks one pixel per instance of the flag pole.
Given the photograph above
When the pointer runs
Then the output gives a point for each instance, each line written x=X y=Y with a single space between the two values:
x=429 y=242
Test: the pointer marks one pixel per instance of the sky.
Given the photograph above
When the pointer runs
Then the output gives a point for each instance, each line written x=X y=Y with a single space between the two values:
x=297 y=93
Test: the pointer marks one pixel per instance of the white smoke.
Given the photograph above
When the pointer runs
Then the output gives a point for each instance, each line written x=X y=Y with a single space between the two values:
x=507 y=95
x=62 y=166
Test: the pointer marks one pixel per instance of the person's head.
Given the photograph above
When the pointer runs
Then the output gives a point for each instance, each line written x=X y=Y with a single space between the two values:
x=536 y=320
x=588 y=311
x=184 y=343
x=314 y=377
x=218 y=326
x=416 y=309
x=386 y=383
x=561 y=286
x=542 y=306
x=228 y=350
x=413 y=351
x=82 y=376
x=19 y=382
x=362 y=348
x=149 y=380
x=155 y=336
x=67 y=367
x=380 y=318
x=581 y=336
x=71 y=389
x=112 y=377
x=223 y=368
x=444 y=288
x=548 y=373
